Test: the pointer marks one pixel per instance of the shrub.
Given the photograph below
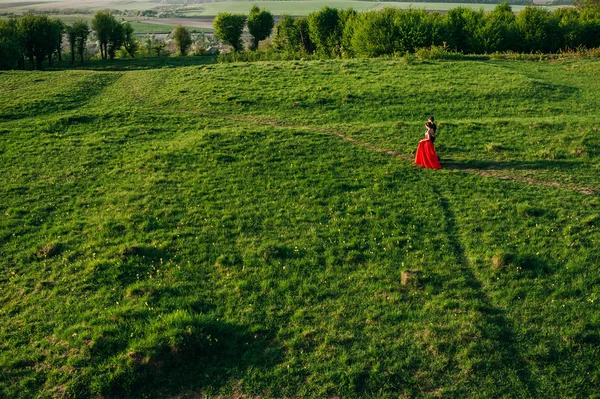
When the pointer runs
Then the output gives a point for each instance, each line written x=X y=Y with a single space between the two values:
x=499 y=31
x=413 y=30
x=537 y=30
x=437 y=53
x=462 y=27
x=374 y=33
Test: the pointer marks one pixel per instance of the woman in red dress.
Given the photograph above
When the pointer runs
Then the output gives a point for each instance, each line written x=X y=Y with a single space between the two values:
x=426 y=156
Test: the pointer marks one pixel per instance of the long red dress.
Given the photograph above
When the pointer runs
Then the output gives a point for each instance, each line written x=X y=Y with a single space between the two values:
x=426 y=156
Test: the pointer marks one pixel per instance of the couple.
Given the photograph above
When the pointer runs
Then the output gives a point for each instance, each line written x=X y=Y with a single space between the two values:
x=426 y=155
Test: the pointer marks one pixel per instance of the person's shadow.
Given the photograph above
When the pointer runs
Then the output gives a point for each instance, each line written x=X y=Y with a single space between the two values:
x=449 y=163
x=504 y=357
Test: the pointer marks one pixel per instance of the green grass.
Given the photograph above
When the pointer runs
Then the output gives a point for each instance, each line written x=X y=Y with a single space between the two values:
x=199 y=230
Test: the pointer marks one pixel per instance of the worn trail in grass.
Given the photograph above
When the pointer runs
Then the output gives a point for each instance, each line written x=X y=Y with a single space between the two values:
x=242 y=229
x=485 y=171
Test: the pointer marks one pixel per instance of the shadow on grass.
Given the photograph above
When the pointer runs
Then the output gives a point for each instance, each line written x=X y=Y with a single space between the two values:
x=132 y=64
x=512 y=165
x=82 y=93
x=181 y=349
x=204 y=356
x=496 y=328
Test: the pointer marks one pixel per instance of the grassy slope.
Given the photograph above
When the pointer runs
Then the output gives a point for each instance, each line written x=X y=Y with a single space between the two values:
x=154 y=241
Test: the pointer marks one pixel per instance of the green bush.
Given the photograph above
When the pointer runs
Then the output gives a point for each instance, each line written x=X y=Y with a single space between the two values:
x=292 y=35
x=499 y=32
x=374 y=33
x=325 y=31
x=537 y=30
x=462 y=28
x=437 y=53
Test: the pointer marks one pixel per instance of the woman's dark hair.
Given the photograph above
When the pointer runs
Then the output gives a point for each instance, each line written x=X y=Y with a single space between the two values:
x=429 y=124
x=431 y=118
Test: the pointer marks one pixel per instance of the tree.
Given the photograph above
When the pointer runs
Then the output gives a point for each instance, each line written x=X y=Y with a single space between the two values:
x=129 y=42
x=229 y=28
x=56 y=30
x=260 y=25
x=102 y=24
x=182 y=38
x=115 y=39
x=78 y=35
x=72 y=42
x=10 y=45
x=306 y=43
x=36 y=37
x=109 y=32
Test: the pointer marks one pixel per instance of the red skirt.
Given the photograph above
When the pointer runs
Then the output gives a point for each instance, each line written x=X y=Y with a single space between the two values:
x=426 y=156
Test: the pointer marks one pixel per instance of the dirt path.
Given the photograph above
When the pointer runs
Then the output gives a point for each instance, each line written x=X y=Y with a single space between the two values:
x=490 y=173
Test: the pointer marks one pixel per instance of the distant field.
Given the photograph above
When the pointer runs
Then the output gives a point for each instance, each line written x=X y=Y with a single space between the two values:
x=242 y=230
x=277 y=7
x=23 y=5
x=306 y=7
x=147 y=25
x=211 y=9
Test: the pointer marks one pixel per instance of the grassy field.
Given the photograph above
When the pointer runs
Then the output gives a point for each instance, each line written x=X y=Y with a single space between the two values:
x=17 y=6
x=306 y=7
x=240 y=229
x=294 y=7
x=140 y=26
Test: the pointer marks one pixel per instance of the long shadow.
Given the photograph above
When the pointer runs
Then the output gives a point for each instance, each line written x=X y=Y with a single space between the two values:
x=512 y=165
x=82 y=94
x=496 y=328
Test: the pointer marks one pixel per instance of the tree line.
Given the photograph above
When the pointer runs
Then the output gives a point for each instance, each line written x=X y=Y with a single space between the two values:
x=36 y=39
x=330 y=32
x=327 y=33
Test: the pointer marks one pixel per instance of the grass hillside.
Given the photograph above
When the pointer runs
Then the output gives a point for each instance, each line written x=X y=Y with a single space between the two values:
x=242 y=230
